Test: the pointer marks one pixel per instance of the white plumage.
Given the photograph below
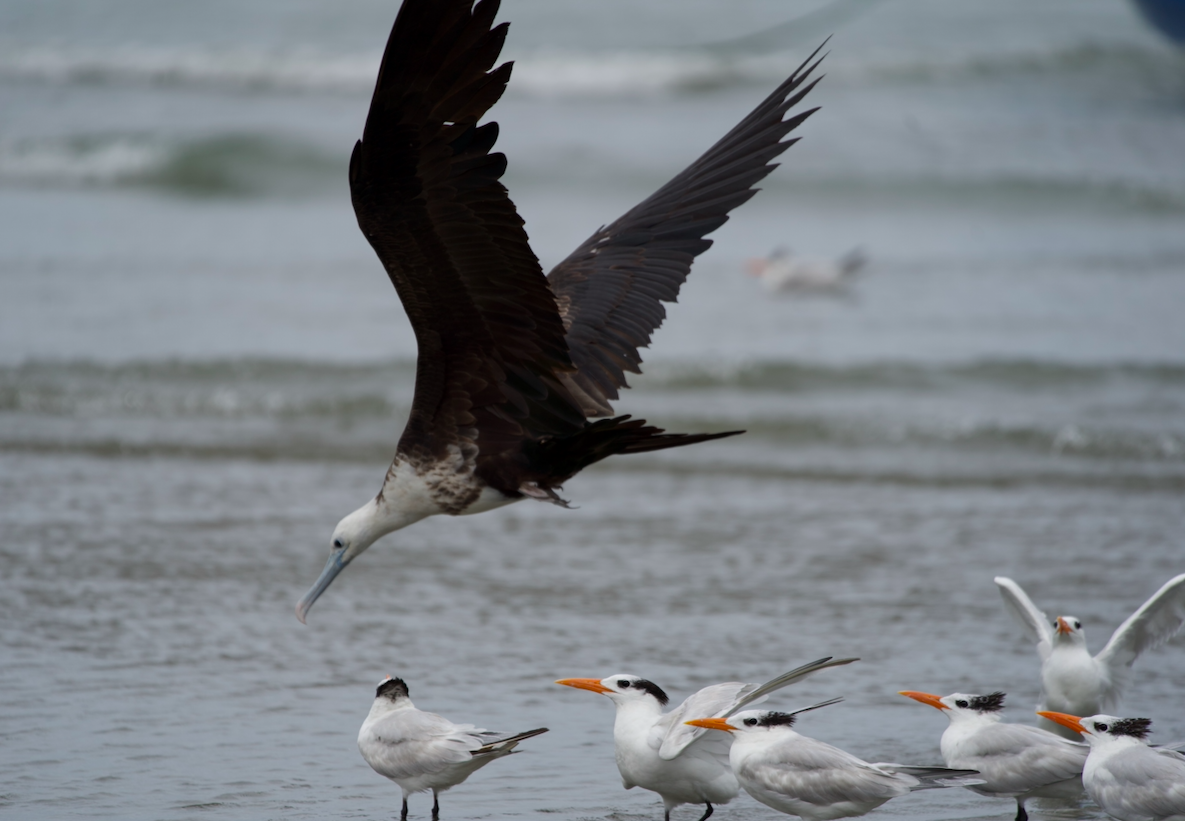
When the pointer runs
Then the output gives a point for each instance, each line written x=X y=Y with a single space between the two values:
x=422 y=751
x=1130 y=780
x=805 y=777
x=659 y=752
x=1014 y=760
x=1073 y=681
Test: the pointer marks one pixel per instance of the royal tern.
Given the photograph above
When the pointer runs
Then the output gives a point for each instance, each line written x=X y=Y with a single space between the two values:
x=513 y=365
x=1128 y=779
x=422 y=751
x=660 y=753
x=1074 y=682
x=1012 y=759
x=800 y=776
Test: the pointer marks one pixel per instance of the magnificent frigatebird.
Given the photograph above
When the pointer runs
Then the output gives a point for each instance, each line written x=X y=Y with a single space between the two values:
x=513 y=365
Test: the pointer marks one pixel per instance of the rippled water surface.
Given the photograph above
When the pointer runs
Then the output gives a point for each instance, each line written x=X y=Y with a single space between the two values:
x=203 y=367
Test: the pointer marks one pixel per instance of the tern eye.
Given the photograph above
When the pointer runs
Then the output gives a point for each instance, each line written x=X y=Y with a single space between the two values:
x=623 y=684
x=750 y=722
x=338 y=544
x=1102 y=728
x=961 y=703
x=1077 y=624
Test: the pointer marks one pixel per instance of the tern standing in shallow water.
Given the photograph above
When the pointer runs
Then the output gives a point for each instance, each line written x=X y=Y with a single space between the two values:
x=1073 y=681
x=658 y=752
x=1128 y=779
x=513 y=365
x=422 y=751
x=808 y=778
x=1013 y=760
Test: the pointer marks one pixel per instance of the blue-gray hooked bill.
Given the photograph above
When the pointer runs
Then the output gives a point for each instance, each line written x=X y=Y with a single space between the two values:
x=334 y=566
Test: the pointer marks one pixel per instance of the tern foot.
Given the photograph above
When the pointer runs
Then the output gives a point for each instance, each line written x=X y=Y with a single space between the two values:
x=707 y=812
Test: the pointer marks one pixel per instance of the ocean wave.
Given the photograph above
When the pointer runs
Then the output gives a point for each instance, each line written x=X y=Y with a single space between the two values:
x=219 y=165
x=252 y=165
x=545 y=72
x=268 y=408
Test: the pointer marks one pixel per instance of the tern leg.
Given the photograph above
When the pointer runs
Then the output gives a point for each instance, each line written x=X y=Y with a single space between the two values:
x=435 y=806
x=707 y=812
x=403 y=812
x=1021 y=815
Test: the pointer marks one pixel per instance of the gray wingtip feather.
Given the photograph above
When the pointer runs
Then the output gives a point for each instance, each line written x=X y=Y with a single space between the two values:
x=786 y=679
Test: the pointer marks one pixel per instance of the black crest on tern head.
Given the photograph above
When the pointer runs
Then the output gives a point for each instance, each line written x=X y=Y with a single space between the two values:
x=393 y=688
x=991 y=703
x=647 y=686
x=777 y=720
x=1135 y=727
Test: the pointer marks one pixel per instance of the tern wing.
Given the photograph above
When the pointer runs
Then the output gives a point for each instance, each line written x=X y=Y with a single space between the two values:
x=820 y=774
x=724 y=700
x=1019 y=604
x=610 y=291
x=795 y=675
x=671 y=736
x=1157 y=621
x=1015 y=758
x=1144 y=782
x=411 y=742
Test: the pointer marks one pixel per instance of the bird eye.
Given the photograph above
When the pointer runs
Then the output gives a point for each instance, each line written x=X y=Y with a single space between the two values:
x=1077 y=624
x=338 y=544
x=623 y=683
x=960 y=703
x=1102 y=728
x=750 y=722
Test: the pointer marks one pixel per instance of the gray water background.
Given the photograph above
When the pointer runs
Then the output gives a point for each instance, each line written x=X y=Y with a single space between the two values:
x=203 y=367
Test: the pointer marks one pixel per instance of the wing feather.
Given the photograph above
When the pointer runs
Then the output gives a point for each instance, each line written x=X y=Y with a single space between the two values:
x=723 y=700
x=610 y=291
x=1035 y=622
x=1158 y=620
x=427 y=194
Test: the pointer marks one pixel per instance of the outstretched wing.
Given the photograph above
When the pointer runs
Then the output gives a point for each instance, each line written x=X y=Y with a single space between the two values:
x=1157 y=621
x=610 y=290
x=1039 y=628
x=724 y=700
x=427 y=195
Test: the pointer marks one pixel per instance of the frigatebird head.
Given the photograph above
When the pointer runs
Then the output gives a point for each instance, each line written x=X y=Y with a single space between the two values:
x=352 y=536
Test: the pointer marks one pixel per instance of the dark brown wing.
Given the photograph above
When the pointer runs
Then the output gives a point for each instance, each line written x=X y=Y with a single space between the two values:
x=427 y=195
x=611 y=289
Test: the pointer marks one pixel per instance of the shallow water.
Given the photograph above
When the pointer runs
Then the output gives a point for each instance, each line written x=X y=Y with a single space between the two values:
x=202 y=368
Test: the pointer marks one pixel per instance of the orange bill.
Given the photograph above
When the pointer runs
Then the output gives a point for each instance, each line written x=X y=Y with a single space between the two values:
x=1064 y=719
x=712 y=724
x=1063 y=626
x=593 y=684
x=925 y=698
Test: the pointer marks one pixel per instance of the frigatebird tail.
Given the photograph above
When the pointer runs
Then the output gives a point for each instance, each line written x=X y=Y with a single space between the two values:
x=564 y=457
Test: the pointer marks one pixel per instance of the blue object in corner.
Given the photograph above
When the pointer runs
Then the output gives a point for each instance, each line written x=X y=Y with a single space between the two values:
x=1167 y=16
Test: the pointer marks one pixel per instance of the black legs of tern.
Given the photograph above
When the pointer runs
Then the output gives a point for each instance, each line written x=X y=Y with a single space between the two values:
x=435 y=808
x=666 y=815
x=1021 y=815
